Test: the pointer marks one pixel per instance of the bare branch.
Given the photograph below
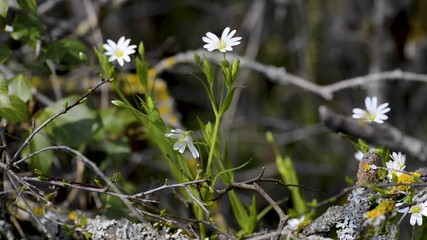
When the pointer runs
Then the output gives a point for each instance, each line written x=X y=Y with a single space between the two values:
x=168 y=186
x=197 y=201
x=279 y=74
x=384 y=134
x=94 y=168
x=252 y=185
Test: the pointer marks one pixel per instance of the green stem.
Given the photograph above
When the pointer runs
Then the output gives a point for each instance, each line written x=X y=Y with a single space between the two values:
x=202 y=228
x=213 y=143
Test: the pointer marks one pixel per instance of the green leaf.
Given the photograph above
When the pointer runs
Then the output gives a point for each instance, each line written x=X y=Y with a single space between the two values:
x=150 y=106
x=107 y=67
x=197 y=59
x=5 y=53
x=119 y=149
x=13 y=109
x=269 y=137
x=226 y=72
x=228 y=100
x=73 y=128
x=239 y=211
x=21 y=87
x=253 y=215
x=66 y=51
x=234 y=70
x=114 y=122
x=142 y=71
x=229 y=178
x=3 y=12
x=37 y=171
x=28 y=5
x=73 y=48
x=361 y=146
x=208 y=71
x=27 y=27
x=289 y=176
x=5 y=101
x=42 y=161
x=225 y=63
x=4 y=5
x=4 y=89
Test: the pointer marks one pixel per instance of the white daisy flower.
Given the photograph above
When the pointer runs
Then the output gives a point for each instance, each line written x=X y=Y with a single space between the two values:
x=397 y=162
x=119 y=51
x=184 y=140
x=372 y=112
x=417 y=212
x=224 y=44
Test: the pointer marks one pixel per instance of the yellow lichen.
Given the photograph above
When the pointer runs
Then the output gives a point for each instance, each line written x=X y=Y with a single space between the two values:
x=383 y=208
x=170 y=62
x=72 y=215
x=304 y=224
x=38 y=211
x=405 y=179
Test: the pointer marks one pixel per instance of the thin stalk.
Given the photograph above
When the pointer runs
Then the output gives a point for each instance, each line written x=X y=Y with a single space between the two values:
x=202 y=229
x=214 y=137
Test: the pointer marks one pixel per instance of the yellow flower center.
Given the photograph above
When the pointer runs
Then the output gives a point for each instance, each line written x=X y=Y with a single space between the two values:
x=222 y=44
x=371 y=117
x=118 y=53
x=416 y=209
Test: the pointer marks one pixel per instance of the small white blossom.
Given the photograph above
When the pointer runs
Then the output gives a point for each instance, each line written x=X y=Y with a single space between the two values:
x=119 y=51
x=397 y=162
x=293 y=223
x=372 y=112
x=417 y=212
x=184 y=140
x=224 y=43
x=358 y=155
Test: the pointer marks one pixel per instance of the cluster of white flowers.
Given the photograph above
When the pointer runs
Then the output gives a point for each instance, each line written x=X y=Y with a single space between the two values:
x=373 y=112
x=418 y=210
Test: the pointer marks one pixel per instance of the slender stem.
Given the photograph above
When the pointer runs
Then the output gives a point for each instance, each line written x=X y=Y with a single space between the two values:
x=201 y=225
x=213 y=143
